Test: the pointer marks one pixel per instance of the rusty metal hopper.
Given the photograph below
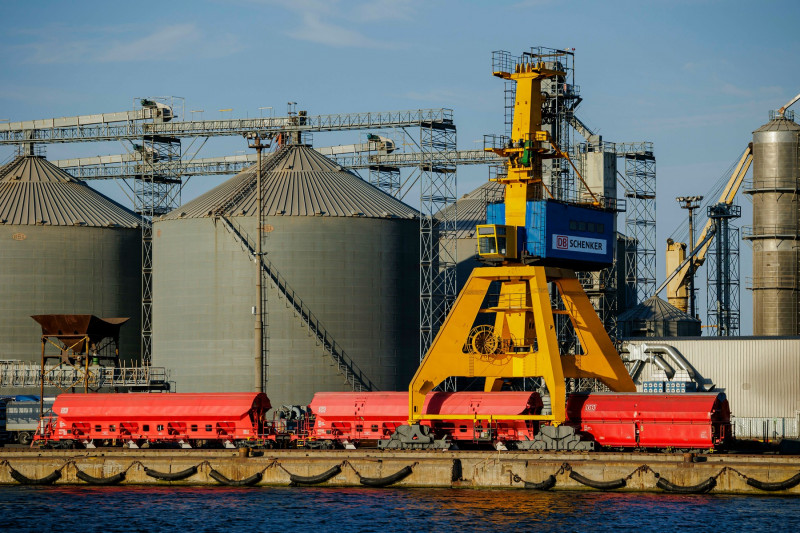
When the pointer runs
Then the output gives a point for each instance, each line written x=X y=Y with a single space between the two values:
x=69 y=328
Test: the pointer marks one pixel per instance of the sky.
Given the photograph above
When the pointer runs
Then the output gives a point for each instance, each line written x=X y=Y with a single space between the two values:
x=693 y=77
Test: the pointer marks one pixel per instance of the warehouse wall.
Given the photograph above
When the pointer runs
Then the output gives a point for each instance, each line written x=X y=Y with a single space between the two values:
x=759 y=375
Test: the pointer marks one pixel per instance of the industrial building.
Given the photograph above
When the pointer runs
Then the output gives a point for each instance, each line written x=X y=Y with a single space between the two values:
x=65 y=249
x=355 y=282
x=340 y=255
x=757 y=374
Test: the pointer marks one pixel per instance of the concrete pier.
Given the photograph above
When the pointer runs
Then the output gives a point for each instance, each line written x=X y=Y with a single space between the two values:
x=716 y=473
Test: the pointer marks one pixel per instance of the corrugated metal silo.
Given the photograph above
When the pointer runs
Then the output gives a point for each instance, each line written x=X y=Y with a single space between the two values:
x=65 y=249
x=348 y=250
x=656 y=318
x=775 y=233
x=470 y=211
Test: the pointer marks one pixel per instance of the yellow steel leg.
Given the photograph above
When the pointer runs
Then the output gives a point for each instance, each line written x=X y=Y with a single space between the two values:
x=600 y=359
x=548 y=348
x=523 y=342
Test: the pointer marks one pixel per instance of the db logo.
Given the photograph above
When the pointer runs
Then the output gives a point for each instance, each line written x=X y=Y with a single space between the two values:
x=562 y=242
x=590 y=407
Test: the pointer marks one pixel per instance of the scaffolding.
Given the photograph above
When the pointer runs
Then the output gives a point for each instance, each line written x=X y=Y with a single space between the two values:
x=155 y=166
x=157 y=191
x=640 y=217
x=437 y=236
x=722 y=272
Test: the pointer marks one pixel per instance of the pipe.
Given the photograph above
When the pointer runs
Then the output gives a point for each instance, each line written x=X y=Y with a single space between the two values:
x=640 y=358
x=663 y=365
x=788 y=104
x=637 y=368
x=674 y=354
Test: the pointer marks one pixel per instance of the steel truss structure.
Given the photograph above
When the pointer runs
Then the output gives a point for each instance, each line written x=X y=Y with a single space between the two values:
x=156 y=166
x=26 y=374
x=640 y=217
x=722 y=272
x=124 y=166
x=437 y=236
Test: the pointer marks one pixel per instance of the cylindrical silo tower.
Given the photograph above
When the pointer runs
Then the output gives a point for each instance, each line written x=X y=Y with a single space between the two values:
x=470 y=211
x=65 y=249
x=775 y=232
x=344 y=249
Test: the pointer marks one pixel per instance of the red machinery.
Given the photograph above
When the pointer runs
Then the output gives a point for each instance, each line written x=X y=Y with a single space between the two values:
x=132 y=418
x=629 y=420
x=358 y=417
x=651 y=420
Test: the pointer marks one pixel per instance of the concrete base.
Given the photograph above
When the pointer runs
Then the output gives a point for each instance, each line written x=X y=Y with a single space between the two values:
x=454 y=469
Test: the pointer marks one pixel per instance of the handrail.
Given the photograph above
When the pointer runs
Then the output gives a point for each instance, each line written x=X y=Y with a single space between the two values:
x=345 y=364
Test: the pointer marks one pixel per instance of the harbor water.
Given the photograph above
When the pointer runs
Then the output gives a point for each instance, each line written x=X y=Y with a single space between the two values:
x=207 y=509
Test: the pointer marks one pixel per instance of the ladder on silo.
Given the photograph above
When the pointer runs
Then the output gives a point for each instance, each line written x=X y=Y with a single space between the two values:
x=344 y=363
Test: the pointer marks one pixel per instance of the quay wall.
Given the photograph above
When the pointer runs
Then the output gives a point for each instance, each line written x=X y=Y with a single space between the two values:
x=640 y=472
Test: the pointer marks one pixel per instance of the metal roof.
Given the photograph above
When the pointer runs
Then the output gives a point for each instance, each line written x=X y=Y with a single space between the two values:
x=471 y=208
x=297 y=181
x=779 y=124
x=655 y=309
x=33 y=191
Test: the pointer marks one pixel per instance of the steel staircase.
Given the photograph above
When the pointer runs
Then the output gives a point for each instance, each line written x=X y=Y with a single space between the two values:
x=344 y=363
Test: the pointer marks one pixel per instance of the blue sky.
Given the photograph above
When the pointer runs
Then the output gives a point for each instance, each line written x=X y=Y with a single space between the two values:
x=694 y=77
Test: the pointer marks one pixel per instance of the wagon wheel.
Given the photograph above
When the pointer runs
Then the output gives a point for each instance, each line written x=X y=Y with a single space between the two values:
x=482 y=340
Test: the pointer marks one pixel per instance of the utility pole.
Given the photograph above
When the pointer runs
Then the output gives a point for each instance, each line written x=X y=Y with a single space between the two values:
x=259 y=326
x=690 y=203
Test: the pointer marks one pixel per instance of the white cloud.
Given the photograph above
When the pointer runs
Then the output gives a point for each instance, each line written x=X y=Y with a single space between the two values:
x=114 y=44
x=315 y=30
x=385 y=10
x=342 y=24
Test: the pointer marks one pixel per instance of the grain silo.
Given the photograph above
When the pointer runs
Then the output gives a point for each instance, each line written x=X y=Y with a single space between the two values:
x=470 y=211
x=655 y=317
x=65 y=249
x=775 y=233
x=346 y=250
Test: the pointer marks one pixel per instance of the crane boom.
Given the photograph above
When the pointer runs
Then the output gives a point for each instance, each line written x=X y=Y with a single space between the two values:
x=676 y=280
x=788 y=105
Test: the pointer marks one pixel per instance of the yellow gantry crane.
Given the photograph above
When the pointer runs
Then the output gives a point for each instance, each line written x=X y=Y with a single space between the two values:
x=678 y=264
x=518 y=337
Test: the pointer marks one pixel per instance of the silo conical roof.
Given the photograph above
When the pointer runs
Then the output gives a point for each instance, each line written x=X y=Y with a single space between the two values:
x=471 y=208
x=33 y=191
x=297 y=181
x=779 y=123
x=654 y=308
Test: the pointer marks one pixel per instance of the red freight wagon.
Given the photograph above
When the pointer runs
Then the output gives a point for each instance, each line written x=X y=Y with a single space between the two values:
x=348 y=416
x=485 y=403
x=652 y=420
x=178 y=417
x=354 y=416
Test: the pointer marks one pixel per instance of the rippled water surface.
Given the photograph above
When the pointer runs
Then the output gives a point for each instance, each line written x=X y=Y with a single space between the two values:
x=200 y=509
